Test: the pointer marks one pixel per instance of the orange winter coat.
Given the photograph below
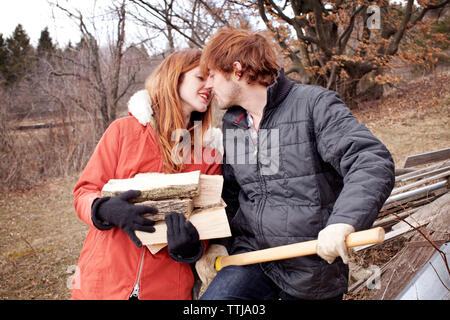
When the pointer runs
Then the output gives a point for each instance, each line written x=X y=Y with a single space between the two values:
x=110 y=264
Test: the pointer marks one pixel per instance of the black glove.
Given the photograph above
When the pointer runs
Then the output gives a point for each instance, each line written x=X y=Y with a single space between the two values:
x=183 y=241
x=109 y=212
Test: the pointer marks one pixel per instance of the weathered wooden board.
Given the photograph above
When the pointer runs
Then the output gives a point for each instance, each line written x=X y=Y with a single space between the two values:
x=210 y=224
x=409 y=260
x=410 y=186
x=156 y=186
x=420 y=170
x=427 y=157
x=423 y=213
x=422 y=174
x=427 y=192
x=402 y=171
x=396 y=233
x=391 y=219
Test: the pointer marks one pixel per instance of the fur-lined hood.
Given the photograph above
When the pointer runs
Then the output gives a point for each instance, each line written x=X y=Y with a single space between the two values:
x=140 y=107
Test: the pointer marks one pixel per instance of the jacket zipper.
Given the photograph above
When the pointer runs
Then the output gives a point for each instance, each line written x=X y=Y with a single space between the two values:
x=263 y=186
x=262 y=182
x=263 y=199
x=135 y=292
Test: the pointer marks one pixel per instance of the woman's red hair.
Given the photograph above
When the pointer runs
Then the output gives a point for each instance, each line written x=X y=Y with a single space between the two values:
x=162 y=87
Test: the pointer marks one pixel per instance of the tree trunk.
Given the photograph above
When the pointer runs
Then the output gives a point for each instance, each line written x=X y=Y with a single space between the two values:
x=347 y=89
x=368 y=89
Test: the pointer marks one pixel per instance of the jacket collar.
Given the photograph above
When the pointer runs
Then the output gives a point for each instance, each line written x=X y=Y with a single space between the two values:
x=140 y=107
x=276 y=93
x=279 y=90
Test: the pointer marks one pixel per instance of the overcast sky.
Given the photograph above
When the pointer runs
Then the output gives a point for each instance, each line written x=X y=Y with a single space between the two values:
x=35 y=15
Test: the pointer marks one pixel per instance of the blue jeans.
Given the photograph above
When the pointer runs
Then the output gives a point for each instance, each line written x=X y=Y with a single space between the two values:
x=245 y=283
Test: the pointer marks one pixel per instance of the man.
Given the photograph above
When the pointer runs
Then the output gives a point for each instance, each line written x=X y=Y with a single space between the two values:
x=306 y=169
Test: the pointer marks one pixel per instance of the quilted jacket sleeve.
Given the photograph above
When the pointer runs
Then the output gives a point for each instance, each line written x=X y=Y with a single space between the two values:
x=358 y=156
x=99 y=169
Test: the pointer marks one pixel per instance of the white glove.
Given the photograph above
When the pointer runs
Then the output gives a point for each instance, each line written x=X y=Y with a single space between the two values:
x=205 y=265
x=331 y=242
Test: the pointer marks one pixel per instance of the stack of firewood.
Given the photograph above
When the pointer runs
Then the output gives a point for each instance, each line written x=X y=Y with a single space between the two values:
x=416 y=187
x=196 y=196
x=420 y=196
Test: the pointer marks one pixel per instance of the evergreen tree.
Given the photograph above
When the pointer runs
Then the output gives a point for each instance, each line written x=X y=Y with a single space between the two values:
x=45 y=44
x=3 y=57
x=20 y=56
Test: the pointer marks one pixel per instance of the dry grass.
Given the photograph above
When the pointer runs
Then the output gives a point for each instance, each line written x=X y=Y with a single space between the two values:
x=366 y=259
x=40 y=239
x=413 y=119
x=28 y=156
x=41 y=236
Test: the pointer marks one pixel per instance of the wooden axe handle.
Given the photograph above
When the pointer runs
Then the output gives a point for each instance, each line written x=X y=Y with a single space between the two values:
x=360 y=238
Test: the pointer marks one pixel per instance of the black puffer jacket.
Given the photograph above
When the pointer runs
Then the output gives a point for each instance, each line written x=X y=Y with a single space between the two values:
x=315 y=165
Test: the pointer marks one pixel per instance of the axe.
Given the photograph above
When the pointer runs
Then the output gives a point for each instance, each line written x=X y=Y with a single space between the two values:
x=360 y=238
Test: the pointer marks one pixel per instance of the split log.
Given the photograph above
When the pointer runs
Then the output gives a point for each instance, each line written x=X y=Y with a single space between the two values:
x=210 y=224
x=183 y=206
x=210 y=191
x=156 y=186
x=177 y=193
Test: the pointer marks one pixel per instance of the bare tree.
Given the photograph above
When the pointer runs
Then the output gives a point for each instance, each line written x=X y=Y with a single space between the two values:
x=329 y=43
x=101 y=71
x=193 y=21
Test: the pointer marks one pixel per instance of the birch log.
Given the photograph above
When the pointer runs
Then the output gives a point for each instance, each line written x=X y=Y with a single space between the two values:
x=183 y=206
x=156 y=186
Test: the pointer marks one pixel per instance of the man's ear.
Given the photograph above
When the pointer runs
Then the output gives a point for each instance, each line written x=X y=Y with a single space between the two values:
x=237 y=69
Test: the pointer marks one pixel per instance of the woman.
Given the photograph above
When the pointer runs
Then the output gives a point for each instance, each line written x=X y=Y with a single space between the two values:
x=113 y=263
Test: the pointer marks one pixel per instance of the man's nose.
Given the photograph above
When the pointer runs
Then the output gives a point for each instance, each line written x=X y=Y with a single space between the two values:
x=209 y=83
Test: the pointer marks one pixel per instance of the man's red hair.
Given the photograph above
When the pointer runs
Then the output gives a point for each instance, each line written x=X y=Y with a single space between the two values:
x=252 y=50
